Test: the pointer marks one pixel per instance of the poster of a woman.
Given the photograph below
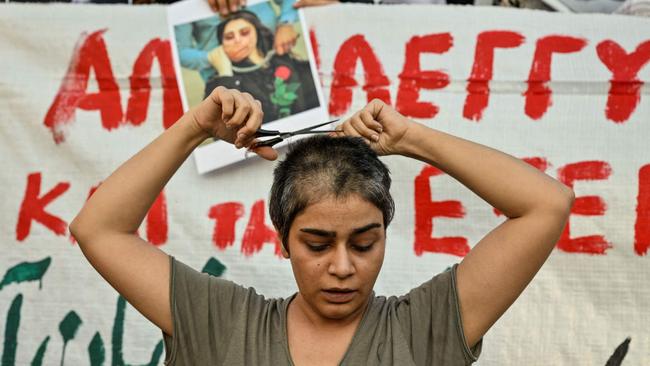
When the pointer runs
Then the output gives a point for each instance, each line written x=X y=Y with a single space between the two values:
x=262 y=50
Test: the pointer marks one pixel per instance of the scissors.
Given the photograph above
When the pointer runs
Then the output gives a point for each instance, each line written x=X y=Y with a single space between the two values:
x=281 y=136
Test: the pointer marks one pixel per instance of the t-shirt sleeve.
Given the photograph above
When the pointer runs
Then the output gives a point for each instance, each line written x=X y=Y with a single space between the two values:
x=203 y=310
x=430 y=319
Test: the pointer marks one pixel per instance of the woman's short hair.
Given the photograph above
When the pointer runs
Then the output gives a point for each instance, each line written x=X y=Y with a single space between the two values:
x=264 y=34
x=322 y=167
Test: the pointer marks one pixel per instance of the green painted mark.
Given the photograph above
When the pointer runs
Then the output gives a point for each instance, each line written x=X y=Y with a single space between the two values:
x=11 y=332
x=117 y=338
x=155 y=356
x=26 y=271
x=117 y=358
x=68 y=328
x=214 y=267
x=40 y=353
x=96 y=351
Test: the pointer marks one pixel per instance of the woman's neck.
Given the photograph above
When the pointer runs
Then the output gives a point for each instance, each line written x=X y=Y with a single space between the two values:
x=302 y=311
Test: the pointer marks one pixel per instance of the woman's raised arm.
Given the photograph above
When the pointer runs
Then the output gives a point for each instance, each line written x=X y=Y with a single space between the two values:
x=106 y=226
x=500 y=266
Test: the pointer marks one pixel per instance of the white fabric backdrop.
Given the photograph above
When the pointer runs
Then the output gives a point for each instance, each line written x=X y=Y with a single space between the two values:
x=577 y=310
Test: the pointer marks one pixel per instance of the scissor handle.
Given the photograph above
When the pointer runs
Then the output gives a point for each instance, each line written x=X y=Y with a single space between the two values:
x=268 y=143
x=264 y=133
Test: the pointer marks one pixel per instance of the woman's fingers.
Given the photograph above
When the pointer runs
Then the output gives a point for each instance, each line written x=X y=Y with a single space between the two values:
x=349 y=130
x=226 y=99
x=363 y=130
x=246 y=134
x=374 y=108
x=377 y=124
x=361 y=124
x=231 y=115
x=241 y=111
x=338 y=131
x=370 y=121
x=265 y=152
x=248 y=118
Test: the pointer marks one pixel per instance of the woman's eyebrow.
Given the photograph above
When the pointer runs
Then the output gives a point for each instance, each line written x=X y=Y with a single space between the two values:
x=363 y=229
x=319 y=232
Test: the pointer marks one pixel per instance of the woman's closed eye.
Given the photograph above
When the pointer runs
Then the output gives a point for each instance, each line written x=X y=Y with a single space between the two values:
x=317 y=247
x=320 y=247
x=363 y=247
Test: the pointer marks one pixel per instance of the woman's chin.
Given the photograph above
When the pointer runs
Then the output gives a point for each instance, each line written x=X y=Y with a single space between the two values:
x=239 y=56
x=237 y=59
x=338 y=311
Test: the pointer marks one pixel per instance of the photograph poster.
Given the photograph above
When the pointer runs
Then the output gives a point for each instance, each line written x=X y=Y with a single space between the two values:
x=262 y=49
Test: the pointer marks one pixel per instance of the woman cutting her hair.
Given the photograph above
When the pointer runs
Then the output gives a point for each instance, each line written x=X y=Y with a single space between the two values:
x=330 y=204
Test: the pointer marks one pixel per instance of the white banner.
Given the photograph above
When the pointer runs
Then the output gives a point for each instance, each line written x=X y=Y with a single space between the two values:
x=82 y=91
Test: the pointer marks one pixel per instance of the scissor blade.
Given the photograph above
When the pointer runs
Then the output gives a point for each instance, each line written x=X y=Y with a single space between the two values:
x=304 y=130
x=311 y=132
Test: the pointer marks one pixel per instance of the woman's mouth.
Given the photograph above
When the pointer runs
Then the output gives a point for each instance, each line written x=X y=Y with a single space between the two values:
x=242 y=52
x=339 y=295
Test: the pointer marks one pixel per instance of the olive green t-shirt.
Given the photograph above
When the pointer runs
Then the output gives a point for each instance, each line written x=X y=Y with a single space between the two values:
x=217 y=322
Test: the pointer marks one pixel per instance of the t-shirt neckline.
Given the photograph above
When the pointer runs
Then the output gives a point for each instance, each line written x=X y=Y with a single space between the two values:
x=285 y=333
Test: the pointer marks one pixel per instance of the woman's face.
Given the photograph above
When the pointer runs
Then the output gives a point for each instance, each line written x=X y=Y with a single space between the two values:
x=239 y=39
x=337 y=249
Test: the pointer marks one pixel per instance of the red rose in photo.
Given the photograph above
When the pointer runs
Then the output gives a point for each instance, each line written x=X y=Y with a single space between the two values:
x=283 y=73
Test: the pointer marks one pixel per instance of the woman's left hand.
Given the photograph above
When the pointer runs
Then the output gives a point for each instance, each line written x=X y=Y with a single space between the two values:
x=380 y=125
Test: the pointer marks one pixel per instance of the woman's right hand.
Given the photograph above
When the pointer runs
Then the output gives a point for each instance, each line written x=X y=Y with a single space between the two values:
x=232 y=116
x=381 y=126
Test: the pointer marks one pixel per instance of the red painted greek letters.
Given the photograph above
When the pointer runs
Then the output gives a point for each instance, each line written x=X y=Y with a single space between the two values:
x=426 y=210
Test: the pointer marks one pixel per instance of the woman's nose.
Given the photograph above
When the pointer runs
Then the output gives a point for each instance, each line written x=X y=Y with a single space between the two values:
x=341 y=264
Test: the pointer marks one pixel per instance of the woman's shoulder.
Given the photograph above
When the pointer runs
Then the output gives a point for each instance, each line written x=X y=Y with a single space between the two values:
x=212 y=282
x=426 y=320
x=212 y=314
x=440 y=284
x=437 y=294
